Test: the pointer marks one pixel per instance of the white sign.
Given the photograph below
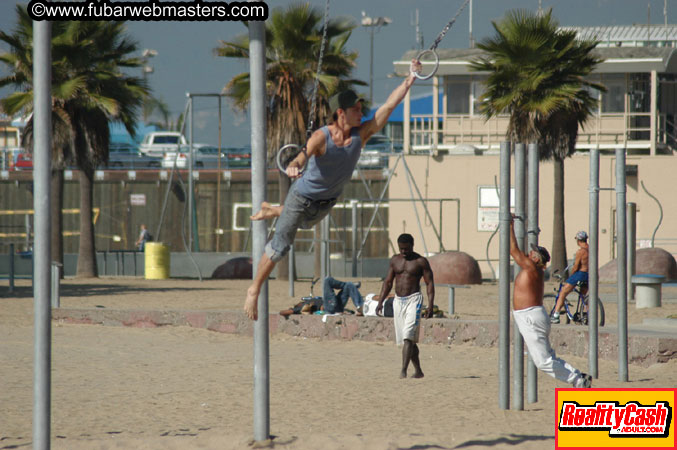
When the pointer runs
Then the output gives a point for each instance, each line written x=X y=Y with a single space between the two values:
x=137 y=199
x=488 y=207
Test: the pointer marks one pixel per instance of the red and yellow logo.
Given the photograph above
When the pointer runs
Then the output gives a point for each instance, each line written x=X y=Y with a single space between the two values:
x=615 y=418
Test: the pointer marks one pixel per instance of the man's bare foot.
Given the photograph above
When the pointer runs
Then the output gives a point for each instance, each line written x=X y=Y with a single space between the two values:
x=267 y=211
x=251 y=304
x=403 y=374
x=418 y=374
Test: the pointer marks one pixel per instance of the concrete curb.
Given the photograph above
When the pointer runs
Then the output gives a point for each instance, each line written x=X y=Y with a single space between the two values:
x=644 y=348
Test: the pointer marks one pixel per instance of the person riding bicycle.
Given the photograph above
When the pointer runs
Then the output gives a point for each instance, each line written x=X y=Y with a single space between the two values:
x=580 y=274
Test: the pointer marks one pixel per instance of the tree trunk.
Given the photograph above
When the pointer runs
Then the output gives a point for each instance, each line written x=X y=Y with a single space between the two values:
x=559 y=250
x=283 y=264
x=86 y=252
x=56 y=225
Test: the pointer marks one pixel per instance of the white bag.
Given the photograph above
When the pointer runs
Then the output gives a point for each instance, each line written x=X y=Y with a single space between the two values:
x=369 y=306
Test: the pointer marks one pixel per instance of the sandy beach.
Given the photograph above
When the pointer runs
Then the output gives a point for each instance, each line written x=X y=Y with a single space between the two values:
x=186 y=388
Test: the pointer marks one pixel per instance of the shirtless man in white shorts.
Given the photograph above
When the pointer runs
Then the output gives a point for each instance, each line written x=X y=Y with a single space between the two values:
x=407 y=268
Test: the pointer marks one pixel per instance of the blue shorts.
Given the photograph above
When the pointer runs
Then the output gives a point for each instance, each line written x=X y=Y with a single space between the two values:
x=578 y=277
x=298 y=212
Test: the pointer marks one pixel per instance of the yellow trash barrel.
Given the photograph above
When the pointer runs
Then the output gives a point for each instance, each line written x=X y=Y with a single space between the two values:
x=156 y=261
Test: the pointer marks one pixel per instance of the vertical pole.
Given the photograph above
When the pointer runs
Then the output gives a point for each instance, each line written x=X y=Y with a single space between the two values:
x=292 y=271
x=189 y=166
x=56 y=301
x=621 y=246
x=593 y=266
x=324 y=248
x=371 y=67
x=504 y=281
x=257 y=82
x=520 y=211
x=632 y=245
x=353 y=209
x=452 y=300
x=532 y=238
x=42 y=118
x=11 y=268
x=218 y=185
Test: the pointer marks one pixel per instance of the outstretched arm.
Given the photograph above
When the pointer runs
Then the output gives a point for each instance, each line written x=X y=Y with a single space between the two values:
x=370 y=127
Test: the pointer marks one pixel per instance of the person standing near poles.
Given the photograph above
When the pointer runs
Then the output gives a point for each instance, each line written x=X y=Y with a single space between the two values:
x=332 y=154
x=406 y=269
x=579 y=274
x=531 y=317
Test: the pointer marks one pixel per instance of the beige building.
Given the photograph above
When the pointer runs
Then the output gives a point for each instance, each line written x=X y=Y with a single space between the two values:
x=452 y=151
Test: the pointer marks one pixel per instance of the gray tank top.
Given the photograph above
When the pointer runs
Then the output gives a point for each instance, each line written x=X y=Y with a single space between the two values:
x=325 y=175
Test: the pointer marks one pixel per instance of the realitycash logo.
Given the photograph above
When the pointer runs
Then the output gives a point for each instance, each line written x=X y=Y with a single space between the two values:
x=615 y=418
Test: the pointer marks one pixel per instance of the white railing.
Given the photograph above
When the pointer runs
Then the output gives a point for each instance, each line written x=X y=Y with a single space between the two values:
x=610 y=129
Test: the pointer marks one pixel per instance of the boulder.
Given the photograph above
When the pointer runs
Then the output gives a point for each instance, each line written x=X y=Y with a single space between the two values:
x=239 y=268
x=647 y=260
x=455 y=268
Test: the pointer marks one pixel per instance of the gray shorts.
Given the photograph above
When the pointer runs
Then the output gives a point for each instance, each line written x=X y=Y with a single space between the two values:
x=298 y=212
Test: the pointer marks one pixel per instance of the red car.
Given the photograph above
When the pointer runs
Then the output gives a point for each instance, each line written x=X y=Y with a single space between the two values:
x=23 y=161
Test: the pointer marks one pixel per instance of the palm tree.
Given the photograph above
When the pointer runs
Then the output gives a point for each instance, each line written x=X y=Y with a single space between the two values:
x=537 y=75
x=88 y=90
x=293 y=41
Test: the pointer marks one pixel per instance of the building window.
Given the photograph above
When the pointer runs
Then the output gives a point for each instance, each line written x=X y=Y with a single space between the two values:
x=458 y=97
x=613 y=100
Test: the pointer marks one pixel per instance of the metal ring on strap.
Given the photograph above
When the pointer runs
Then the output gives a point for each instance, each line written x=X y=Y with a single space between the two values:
x=437 y=64
x=279 y=156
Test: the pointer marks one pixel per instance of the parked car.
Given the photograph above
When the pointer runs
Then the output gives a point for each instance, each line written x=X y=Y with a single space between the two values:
x=23 y=161
x=125 y=156
x=239 y=157
x=157 y=143
x=375 y=153
x=207 y=157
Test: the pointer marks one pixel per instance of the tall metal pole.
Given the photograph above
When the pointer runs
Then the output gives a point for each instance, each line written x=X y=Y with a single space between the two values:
x=520 y=211
x=593 y=267
x=189 y=164
x=42 y=117
x=621 y=246
x=504 y=281
x=471 y=39
x=532 y=238
x=632 y=245
x=353 y=209
x=257 y=77
x=371 y=68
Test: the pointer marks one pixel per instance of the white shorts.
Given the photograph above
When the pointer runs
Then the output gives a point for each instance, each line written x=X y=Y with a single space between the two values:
x=407 y=315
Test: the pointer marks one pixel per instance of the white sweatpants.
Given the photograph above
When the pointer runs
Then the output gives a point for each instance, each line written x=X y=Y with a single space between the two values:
x=534 y=326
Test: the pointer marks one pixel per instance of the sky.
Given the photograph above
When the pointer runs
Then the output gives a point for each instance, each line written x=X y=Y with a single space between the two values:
x=185 y=61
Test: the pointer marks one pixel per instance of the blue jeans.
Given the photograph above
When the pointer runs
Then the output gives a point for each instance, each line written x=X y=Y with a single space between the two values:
x=298 y=212
x=335 y=303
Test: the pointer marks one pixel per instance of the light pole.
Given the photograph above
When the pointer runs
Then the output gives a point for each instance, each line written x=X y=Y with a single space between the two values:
x=146 y=55
x=371 y=23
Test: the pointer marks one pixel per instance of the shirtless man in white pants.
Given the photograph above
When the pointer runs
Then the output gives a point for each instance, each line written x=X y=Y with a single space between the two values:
x=532 y=319
x=406 y=269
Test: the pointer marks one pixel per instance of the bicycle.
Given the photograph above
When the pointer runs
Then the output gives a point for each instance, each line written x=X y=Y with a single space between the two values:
x=580 y=314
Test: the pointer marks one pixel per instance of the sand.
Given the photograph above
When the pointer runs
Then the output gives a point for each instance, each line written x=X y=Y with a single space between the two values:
x=184 y=388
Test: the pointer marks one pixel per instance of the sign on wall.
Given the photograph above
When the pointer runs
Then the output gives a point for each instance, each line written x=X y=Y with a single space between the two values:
x=488 y=206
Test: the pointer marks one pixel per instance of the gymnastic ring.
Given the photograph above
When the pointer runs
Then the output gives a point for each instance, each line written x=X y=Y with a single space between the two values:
x=437 y=64
x=279 y=155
